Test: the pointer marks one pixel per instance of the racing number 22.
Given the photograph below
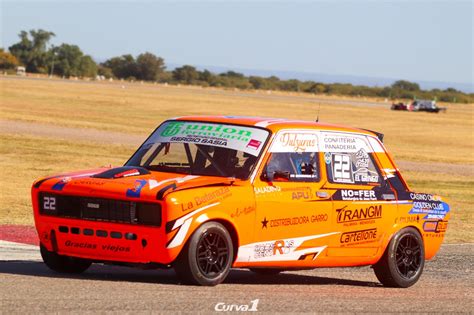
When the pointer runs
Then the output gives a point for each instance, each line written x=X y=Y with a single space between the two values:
x=49 y=203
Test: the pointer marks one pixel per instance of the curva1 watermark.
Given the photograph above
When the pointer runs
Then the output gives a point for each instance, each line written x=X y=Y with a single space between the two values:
x=224 y=307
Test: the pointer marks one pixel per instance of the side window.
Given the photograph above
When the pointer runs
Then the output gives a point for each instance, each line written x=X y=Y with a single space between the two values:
x=293 y=167
x=352 y=168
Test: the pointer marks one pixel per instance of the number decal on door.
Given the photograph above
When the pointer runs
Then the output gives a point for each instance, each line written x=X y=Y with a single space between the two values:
x=342 y=169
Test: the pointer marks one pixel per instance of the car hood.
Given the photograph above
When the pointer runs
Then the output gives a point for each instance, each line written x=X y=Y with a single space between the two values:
x=126 y=183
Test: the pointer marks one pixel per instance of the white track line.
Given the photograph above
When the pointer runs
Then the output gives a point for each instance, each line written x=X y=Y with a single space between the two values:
x=17 y=251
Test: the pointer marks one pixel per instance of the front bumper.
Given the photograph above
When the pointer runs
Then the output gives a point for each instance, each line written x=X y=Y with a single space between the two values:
x=101 y=241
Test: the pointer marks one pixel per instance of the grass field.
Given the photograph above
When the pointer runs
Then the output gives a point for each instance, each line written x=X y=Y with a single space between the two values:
x=139 y=108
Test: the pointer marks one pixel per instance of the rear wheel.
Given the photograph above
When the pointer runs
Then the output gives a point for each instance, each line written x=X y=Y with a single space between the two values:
x=402 y=263
x=63 y=264
x=207 y=256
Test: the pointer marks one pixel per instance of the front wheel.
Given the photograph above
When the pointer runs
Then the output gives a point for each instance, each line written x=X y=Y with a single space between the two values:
x=402 y=263
x=207 y=256
x=63 y=264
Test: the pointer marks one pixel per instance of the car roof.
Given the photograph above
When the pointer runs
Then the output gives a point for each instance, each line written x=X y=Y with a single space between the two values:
x=275 y=124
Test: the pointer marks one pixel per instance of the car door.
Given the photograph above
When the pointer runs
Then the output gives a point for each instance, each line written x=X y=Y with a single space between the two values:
x=292 y=207
x=363 y=203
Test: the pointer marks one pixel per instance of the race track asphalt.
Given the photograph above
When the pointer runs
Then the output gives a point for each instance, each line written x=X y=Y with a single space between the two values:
x=446 y=286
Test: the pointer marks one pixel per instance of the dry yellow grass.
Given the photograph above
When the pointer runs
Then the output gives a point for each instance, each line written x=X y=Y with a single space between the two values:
x=138 y=108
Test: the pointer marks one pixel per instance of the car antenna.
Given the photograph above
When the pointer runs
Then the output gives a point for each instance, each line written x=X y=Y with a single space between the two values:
x=319 y=109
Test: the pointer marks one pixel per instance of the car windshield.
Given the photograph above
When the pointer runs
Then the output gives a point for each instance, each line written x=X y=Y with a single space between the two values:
x=201 y=148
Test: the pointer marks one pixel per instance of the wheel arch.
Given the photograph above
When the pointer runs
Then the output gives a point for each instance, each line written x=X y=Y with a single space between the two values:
x=233 y=234
x=392 y=235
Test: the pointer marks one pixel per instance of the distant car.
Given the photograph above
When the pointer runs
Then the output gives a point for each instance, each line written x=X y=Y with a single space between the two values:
x=399 y=106
x=204 y=194
x=419 y=106
x=426 y=106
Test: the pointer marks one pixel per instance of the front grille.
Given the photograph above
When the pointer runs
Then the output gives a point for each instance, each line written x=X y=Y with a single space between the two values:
x=100 y=209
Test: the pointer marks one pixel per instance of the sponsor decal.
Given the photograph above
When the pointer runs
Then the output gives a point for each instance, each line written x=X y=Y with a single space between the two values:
x=91 y=182
x=132 y=172
x=172 y=128
x=338 y=142
x=240 y=138
x=199 y=140
x=60 y=185
x=266 y=189
x=297 y=195
x=264 y=223
x=435 y=226
x=327 y=157
x=116 y=248
x=105 y=247
x=358 y=237
x=215 y=195
x=135 y=192
x=410 y=219
x=242 y=211
x=80 y=245
x=299 y=141
x=366 y=176
x=442 y=226
x=304 y=219
x=254 y=144
x=353 y=194
x=362 y=159
x=430 y=226
x=355 y=215
x=280 y=247
x=430 y=206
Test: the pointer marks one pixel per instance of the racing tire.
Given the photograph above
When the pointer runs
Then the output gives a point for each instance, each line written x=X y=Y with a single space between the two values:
x=266 y=271
x=403 y=261
x=63 y=264
x=207 y=257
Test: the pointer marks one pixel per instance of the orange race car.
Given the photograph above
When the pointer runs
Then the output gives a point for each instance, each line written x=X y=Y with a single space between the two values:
x=204 y=194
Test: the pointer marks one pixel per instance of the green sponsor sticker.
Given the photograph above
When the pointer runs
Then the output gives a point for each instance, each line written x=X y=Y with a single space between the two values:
x=172 y=129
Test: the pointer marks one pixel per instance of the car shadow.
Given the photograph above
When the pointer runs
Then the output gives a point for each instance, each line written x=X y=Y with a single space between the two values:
x=100 y=272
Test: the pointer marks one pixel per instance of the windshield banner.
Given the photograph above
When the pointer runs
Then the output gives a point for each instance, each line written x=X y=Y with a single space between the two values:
x=245 y=139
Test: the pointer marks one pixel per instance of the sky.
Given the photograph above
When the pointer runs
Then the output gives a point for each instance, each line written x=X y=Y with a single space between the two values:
x=413 y=40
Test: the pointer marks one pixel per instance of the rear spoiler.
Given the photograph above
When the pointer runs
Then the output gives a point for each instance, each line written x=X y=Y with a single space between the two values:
x=378 y=134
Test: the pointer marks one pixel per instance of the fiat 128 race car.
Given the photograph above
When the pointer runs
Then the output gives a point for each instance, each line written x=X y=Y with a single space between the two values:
x=204 y=194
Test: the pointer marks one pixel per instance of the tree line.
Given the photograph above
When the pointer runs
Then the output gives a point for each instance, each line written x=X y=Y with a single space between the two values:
x=34 y=52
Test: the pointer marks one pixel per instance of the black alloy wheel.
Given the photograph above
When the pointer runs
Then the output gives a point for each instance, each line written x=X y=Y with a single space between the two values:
x=212 y=254
x=408 y=256
x=207 y=257
x=403 y=260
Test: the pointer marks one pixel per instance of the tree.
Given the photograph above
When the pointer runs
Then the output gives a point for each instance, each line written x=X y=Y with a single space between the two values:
x=406 y=85
x=32 y=52
x=186 y=73
x=7 y=60
x=149 y=66
x=106 y=72
x=87 y=67
x=122 y=67
x=67 y=60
